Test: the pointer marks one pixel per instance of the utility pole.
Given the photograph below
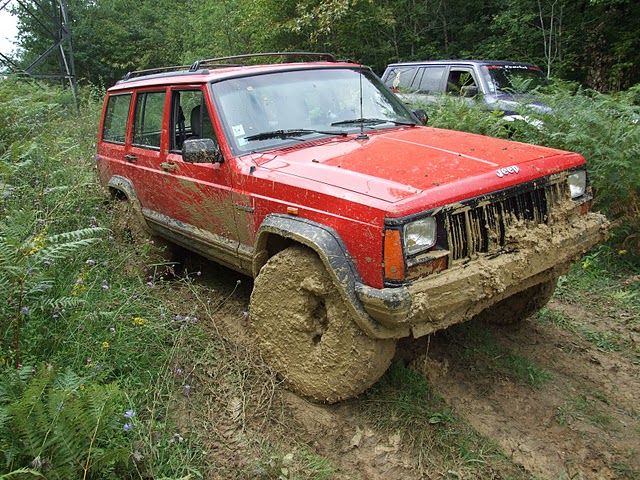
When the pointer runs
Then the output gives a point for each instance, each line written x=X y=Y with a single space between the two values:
x=53 y=18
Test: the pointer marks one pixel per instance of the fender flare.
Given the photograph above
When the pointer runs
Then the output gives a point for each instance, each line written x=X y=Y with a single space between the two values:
x=333 y=252
x=124 y=185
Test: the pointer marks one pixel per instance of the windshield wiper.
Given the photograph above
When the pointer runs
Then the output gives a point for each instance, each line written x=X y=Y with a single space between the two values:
x=292 y=133
x=372 y=121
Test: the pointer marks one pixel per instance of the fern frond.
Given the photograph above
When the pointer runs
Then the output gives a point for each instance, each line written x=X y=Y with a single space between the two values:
x=61 y=303
x=63 y=250
x=76 y=234
x=21 y=471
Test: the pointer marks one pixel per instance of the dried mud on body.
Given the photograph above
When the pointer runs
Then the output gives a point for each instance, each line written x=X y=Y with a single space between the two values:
x=541 y=401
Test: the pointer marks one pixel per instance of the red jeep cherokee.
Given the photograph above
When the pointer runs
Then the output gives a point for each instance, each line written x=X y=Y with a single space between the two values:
x=359 y=224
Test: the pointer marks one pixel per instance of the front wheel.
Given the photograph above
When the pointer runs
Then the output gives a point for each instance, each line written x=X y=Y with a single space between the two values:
x=306 y=332
x=517 y=308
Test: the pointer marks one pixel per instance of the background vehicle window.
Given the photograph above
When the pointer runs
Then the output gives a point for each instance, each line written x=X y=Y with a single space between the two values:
x=514 y=79
x=148 y=119
x=400 y=78
x=458 y=80
x=429 y=79
x=115 y=120
x=189 y=118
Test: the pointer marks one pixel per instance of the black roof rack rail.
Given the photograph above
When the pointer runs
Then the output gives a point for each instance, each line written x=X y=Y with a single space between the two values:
x=151 y=71
x=215 y=62
x=208 y=62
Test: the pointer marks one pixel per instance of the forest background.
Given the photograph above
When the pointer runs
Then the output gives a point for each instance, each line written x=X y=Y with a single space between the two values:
x=593 y=42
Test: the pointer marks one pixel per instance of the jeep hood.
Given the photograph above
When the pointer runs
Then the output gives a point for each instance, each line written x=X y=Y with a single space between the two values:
x=394 y=165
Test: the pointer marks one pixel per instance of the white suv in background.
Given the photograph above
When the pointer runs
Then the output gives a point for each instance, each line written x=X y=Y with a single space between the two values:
x=504 y=86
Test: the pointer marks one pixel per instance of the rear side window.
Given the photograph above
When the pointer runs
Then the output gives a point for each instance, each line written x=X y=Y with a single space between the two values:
x=429 y=79
x=115 y=119
x=400 y=78
x=147 y=125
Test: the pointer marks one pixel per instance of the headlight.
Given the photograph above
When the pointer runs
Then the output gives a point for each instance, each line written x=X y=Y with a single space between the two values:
x=419 y=235
x=577 y=183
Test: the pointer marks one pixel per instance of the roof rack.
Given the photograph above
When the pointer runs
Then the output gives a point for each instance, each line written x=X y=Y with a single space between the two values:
x=151 y=71
x=214 y=61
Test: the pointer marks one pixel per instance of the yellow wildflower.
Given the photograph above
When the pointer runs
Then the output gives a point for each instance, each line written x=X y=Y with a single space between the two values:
x=586 y=264
x=138 y=321
x=38 y=241
x=622 y=252
x=105 y=344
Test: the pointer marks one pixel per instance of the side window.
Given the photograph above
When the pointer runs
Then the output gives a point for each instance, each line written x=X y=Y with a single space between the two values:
x=189 y=118
x=430 y=80
x=459 y=80
x=147 y=125
x=400 y=78
x=115 y=120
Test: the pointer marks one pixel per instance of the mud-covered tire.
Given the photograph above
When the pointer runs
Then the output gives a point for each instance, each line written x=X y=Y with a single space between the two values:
x=517 y=308
x=306 y=332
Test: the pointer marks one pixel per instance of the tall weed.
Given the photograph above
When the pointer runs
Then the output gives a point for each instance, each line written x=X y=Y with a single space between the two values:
x=73 y=298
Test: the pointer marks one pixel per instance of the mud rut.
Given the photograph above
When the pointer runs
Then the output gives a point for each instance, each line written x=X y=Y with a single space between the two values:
x=584 y=423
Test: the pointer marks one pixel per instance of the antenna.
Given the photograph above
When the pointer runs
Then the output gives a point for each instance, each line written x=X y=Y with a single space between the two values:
x=361 y=135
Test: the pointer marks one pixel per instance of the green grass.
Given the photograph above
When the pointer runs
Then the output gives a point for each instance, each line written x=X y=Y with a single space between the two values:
x=605 y=287
x=480 y=347
x=404 y=403
x=585 y=407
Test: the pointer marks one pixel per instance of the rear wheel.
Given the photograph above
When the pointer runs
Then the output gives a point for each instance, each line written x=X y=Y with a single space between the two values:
x=307 y=333
x=517 y=308
x=129 y=226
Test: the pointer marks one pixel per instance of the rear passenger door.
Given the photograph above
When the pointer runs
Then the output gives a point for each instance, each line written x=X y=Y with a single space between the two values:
x=145 y=151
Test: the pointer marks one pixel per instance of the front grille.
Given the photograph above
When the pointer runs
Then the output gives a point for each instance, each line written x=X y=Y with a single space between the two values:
x=479 y=226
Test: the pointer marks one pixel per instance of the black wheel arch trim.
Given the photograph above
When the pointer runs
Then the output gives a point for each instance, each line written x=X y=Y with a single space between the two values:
x=124 y=185
x=333 y=252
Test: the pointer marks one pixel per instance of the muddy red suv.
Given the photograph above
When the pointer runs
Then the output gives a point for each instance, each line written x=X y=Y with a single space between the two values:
x=360 y=225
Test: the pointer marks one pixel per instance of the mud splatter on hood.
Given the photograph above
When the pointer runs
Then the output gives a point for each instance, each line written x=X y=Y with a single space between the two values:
x=394 y=165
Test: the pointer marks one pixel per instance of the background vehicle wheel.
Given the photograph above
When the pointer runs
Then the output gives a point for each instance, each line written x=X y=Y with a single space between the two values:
x=517 y=308
x=306 y=332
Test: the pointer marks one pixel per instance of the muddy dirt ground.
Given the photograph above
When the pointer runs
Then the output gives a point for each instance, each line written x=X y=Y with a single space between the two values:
x=581 y=421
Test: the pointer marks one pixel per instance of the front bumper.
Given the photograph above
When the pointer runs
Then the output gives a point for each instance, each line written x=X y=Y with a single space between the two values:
x=533 y=255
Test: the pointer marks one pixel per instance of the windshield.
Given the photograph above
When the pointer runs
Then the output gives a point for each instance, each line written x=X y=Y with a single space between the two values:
x=269 y=111
x=513 y=79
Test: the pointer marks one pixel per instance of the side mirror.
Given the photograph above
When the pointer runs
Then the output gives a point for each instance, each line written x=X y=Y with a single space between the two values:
x=201 y=150
x=421 y=115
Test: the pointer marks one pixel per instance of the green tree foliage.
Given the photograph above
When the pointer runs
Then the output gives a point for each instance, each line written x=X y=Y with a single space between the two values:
x=595 y=42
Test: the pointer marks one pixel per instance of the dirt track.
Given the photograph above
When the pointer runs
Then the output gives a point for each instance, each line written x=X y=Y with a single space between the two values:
x=582 y=421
